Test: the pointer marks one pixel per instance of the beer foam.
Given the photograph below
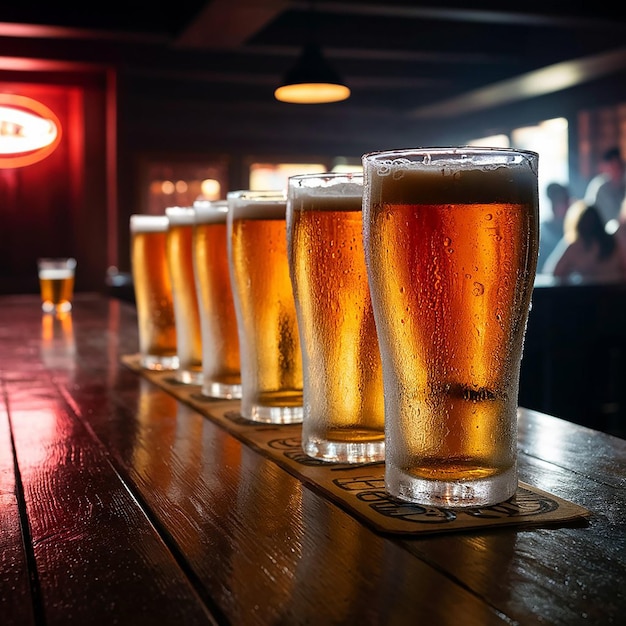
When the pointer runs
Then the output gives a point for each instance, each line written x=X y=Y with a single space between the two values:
x=55 y=273
x=180 y=215
x=473 y=176
x=257 y=209
x=210 y=212
x=141 y=223
x=339 y=198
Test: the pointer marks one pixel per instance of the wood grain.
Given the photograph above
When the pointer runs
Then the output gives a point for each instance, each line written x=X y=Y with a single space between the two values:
x=143 y=511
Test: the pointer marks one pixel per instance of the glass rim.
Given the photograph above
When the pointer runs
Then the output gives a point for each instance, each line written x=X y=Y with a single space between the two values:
x=210 y=211
x=180 y=215
x=66 y=261
x=326 y=176
x=210 y=204
x=269 y=195
x=450 y=151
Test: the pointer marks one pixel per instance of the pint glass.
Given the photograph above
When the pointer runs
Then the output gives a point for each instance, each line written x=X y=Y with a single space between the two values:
x=153 y=292
x=343 y=417
x=221 y=372
x=186 y=312
x=269 y=344
x=451 y=238
x=56 y=283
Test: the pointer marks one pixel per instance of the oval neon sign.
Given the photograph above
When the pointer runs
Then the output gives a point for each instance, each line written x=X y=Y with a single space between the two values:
x=29 y=131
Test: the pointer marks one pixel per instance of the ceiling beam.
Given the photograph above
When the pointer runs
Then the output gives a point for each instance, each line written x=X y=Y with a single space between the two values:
x=225 y=24
x=547 y=80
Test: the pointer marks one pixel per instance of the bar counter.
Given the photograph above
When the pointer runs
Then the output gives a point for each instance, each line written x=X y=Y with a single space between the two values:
x=122 y=504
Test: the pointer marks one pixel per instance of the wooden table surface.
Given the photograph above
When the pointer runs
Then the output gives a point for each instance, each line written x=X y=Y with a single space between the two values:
x=120 y=504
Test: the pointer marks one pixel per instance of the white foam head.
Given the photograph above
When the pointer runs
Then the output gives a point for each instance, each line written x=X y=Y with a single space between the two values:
x=142 y=223
x=56 y=268
x=326 y=192
x=210 y=211
x=56 y=273
x=258 y=205
x=180 y=215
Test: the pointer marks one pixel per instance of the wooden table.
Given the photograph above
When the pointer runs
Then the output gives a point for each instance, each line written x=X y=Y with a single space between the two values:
x=120 y=504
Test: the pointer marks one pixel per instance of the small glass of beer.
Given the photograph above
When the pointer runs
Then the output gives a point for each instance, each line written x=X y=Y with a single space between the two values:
x=344 y=413
x=153 y=292
x=56 y=283
x=451 y=239
x=179 y=253
x=269 y=343
x=221 y=371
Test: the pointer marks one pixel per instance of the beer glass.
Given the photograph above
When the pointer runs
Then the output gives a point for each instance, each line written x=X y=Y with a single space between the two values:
x=269 y=344
x=179 y=254
x=56 y=283
x=451 y=240
x=153 y=292
x=221 y=372
x=343 y=417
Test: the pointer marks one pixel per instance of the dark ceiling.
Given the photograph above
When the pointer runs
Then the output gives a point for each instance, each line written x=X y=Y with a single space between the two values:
x=414 y=60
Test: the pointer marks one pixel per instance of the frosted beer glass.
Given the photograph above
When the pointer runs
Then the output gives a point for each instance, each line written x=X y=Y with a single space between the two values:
x=56 y=283
x=179 y=254
x=343 y=417
x=269 y=344
x=153 y=292
x=451 y=239
x=221 y=371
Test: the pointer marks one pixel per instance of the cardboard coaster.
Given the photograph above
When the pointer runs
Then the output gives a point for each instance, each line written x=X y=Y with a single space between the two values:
x=359 y=488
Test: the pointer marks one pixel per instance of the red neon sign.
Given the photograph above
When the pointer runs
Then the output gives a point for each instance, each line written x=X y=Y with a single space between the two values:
x=29 y=131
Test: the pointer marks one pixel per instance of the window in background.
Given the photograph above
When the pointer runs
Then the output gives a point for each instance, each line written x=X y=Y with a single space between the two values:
x=343 y=164
x=549 y=140
x=493 y=141
x=275 y=175
x=180 y=184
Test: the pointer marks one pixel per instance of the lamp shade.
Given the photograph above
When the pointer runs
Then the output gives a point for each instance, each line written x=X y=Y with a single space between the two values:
x=312 y=80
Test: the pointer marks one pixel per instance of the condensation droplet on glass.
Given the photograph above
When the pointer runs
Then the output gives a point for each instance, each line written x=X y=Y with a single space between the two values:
x=479 y=289
x=488 y=217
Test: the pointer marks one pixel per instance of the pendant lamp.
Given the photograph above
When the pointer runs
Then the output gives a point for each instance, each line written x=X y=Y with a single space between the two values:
x=312 y=80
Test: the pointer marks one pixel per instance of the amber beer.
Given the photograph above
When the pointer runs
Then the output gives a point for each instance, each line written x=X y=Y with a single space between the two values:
x=343 y=385
x=179 y=253
x=271 y=359
x=221 y=371
x=451 y=239
x=153 y=292
x=56 y=283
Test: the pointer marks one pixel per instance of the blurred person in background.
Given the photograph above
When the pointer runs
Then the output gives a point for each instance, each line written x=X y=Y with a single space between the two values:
x=587 y=253
x=551 y=229
x=620 y=233
x=607 y=190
